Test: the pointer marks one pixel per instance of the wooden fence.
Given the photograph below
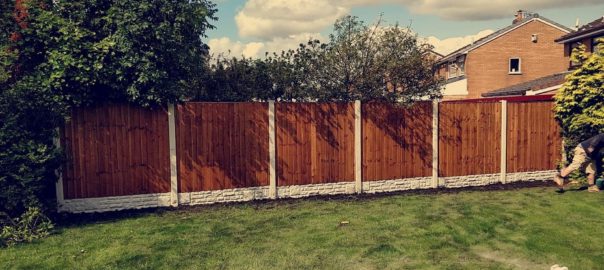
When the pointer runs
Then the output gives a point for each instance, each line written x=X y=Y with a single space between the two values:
x=223 y=150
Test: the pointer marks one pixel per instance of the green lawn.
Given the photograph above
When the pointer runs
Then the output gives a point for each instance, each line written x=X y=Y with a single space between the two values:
x=531 y=228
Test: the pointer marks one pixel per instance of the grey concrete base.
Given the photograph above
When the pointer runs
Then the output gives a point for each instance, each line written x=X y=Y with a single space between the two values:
x=261 y=193
x=470 y=180
x=116 y=203
x=397 y=185
x=531 y=176
x=223 y=196
x=316 y=190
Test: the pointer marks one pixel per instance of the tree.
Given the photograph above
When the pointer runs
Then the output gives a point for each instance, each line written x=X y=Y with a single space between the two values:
x=234 y=79
x=375 y=63
x=580 y=102
x=359 y=62
x=62 y=54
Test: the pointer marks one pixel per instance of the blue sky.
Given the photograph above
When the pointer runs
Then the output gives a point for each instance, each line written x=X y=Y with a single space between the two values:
x=250 y=27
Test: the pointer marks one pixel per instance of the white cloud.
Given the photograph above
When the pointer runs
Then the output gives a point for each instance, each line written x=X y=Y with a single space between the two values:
x=228 y=47
x=472 y=10
x=283 y=24
x=448 y=45
x=266 y=19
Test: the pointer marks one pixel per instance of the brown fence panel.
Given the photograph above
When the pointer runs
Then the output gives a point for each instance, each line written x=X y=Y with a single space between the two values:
x=315 y=143
x=534 y=142
x=469 y=138
x=222 y=145
x=397 y=141
x=116 y=150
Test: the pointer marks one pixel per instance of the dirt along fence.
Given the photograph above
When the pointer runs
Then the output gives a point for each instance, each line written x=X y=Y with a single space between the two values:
x=122 y=157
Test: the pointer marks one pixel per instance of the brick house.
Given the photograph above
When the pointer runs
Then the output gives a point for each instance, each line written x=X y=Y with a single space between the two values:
x=587 y=35
x=520 y=52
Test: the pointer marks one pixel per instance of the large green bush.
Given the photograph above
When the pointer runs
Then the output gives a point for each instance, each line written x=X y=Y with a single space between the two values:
x=580 y=102
x=59 y=54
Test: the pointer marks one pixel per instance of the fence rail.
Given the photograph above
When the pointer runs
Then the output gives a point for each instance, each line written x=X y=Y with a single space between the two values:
x=118 y=157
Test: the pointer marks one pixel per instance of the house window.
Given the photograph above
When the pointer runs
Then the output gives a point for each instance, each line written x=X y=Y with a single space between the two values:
x=453 y=70
x=515 y=66
x=461 y=65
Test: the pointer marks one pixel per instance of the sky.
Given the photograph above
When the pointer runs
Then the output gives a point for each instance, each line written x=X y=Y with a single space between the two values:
x=252 y=27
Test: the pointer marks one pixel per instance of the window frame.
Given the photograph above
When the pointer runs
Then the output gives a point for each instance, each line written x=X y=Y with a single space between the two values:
x=452 y=66
x=519 y=71
x=461 y=65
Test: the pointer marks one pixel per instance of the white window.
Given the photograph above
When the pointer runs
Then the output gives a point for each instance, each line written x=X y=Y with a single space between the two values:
x=461 y=64
x=452 y=70
x=515 y=66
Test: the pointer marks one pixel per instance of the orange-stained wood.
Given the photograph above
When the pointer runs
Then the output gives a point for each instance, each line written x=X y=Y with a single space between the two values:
x=534 y=142
x=397 y=141
x=315 y=143
x=469 y=138
x=115 y=150
x=222 y=145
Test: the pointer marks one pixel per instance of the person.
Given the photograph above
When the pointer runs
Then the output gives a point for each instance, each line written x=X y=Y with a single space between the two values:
x=588 y=154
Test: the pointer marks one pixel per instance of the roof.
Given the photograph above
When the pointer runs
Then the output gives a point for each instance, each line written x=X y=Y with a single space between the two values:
x=536 y=84
x=500 y=32
x=597 y=26
x=546 y=97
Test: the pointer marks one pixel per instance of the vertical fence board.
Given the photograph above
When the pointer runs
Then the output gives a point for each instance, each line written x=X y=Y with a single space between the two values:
x=118 y=150
x=397 y=141
x=315 y=143
x=469 y=138
x=534 y=142
x=99 y=161
x=222 y=145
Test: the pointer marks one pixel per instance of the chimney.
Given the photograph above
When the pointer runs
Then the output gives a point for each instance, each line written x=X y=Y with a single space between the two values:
x=520 y=15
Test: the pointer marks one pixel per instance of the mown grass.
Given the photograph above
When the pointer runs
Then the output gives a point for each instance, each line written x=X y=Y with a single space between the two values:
x=530 y=228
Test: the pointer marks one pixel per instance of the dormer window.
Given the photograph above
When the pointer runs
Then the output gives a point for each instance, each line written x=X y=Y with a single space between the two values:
x=515 y=66
x=452 y=70
x=461 y=65
x=457 y=67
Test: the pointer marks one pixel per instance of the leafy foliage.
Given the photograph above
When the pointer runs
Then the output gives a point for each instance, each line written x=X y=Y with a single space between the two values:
x=32 y=224
x=61 y=54
x=359 y=62
x=580 y=102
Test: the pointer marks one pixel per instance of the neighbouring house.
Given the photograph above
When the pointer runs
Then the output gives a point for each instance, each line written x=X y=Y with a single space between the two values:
x=587 y=35
x=521 y=52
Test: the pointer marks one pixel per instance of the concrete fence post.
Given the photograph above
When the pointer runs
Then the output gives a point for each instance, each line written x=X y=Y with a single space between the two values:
x=358 y=149
x=435 y=181
x=504 y=140
x=272 y=151
x=59 y=183
x=173 y=165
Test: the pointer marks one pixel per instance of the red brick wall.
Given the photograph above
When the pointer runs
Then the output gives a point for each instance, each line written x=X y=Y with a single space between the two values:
x=487 y=66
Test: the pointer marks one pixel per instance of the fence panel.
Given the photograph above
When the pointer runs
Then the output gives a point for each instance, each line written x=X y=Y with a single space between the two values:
x=469 y=138
x=534 y=142
x=315 y=143
x=222 y=145
x=397 y=141
x=115 y=150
